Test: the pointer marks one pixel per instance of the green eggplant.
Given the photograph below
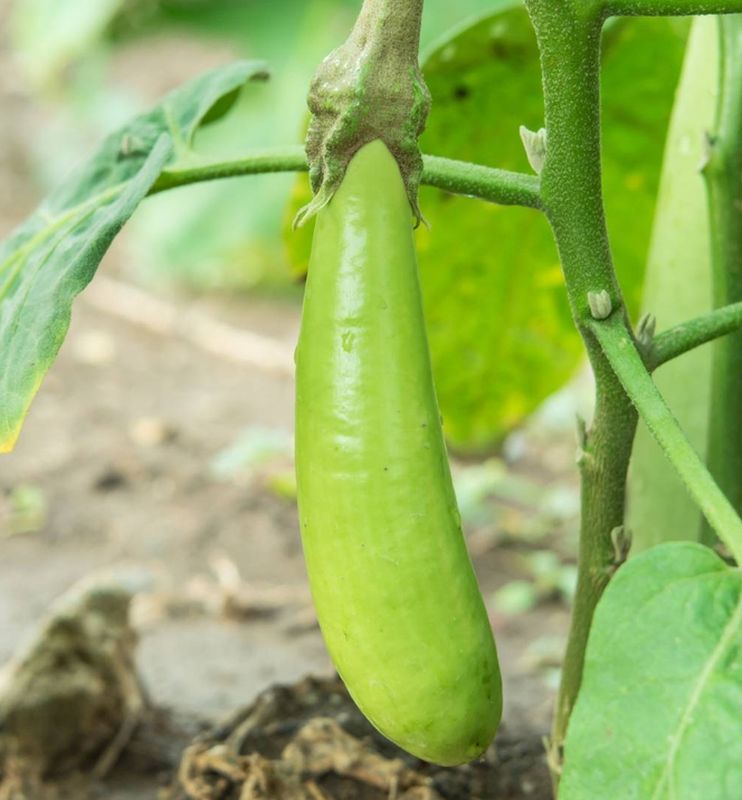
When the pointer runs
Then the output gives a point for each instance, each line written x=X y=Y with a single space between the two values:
x=395 y=592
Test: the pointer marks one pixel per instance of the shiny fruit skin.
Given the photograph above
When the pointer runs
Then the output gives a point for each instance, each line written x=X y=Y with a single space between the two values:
x=396 y=596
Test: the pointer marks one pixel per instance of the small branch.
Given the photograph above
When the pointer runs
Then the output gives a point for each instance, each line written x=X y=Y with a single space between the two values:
x=285 y=159
x=688 y=335
x=458 y=177
x=487 y=183
x=627 y=363
x=669 y=8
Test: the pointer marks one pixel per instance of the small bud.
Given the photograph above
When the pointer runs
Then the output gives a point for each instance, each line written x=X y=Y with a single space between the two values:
x=621 y=541
x=535 y=147
x=131 y=146
x=645 y=332
x=600 y=304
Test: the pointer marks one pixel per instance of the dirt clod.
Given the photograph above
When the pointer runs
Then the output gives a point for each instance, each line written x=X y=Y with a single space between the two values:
x=71 y=698
x=310 y=742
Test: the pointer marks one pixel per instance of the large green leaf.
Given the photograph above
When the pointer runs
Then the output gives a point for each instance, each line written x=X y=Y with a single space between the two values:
x=500 y=331
x=678 y=287
x=501 y=335
x=54 y=254
x=658 y=715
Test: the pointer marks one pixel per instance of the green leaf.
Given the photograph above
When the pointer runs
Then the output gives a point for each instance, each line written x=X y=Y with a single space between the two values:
x=54 y=254
x=228 y=235
x=499 y=326
x=658 y=714
x=678 y=288
x=501 y=334
x=49 y=34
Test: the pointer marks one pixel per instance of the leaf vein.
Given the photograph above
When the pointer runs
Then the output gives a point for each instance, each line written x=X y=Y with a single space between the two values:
x=667 y=773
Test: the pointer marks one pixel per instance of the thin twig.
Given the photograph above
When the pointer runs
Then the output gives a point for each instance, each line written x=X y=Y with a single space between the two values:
x=688 y=335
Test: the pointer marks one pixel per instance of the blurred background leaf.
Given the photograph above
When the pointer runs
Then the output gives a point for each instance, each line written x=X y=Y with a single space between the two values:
x=501 y=335
x=50 y=35
x=218 y=236
x=23 y=511
x=55 y=252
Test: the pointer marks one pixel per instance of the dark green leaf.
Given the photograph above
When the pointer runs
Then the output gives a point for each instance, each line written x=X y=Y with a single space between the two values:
x=51 y=257
x=228 y=234
x=658 y=715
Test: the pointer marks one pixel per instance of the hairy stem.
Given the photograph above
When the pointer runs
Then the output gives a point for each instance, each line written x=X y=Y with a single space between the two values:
x=487 y=183
x=458 y=177
x=688 y=335
x=621 y=352
x=279 y=159
x=571 y=193
x=670 y=8
x=723 y=174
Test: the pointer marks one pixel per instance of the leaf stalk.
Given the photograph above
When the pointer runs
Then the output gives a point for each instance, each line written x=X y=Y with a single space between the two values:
x=682 y=338
x=458 y=177
x=621 y=352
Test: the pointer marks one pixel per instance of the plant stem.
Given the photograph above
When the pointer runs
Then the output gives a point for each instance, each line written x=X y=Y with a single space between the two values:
x=670 y=8
x=279 y=159
x=571 y=193
x=723 y=175
x=458 y=177
x=623 y=356
x=688 y=335
x=487 y=183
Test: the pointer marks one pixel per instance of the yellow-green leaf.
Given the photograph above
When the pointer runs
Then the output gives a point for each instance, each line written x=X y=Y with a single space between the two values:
x=54 y=254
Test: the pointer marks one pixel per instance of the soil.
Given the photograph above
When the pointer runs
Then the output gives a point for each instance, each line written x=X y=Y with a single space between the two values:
x=342 y=756
x=116 y=469
x=119 y=452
